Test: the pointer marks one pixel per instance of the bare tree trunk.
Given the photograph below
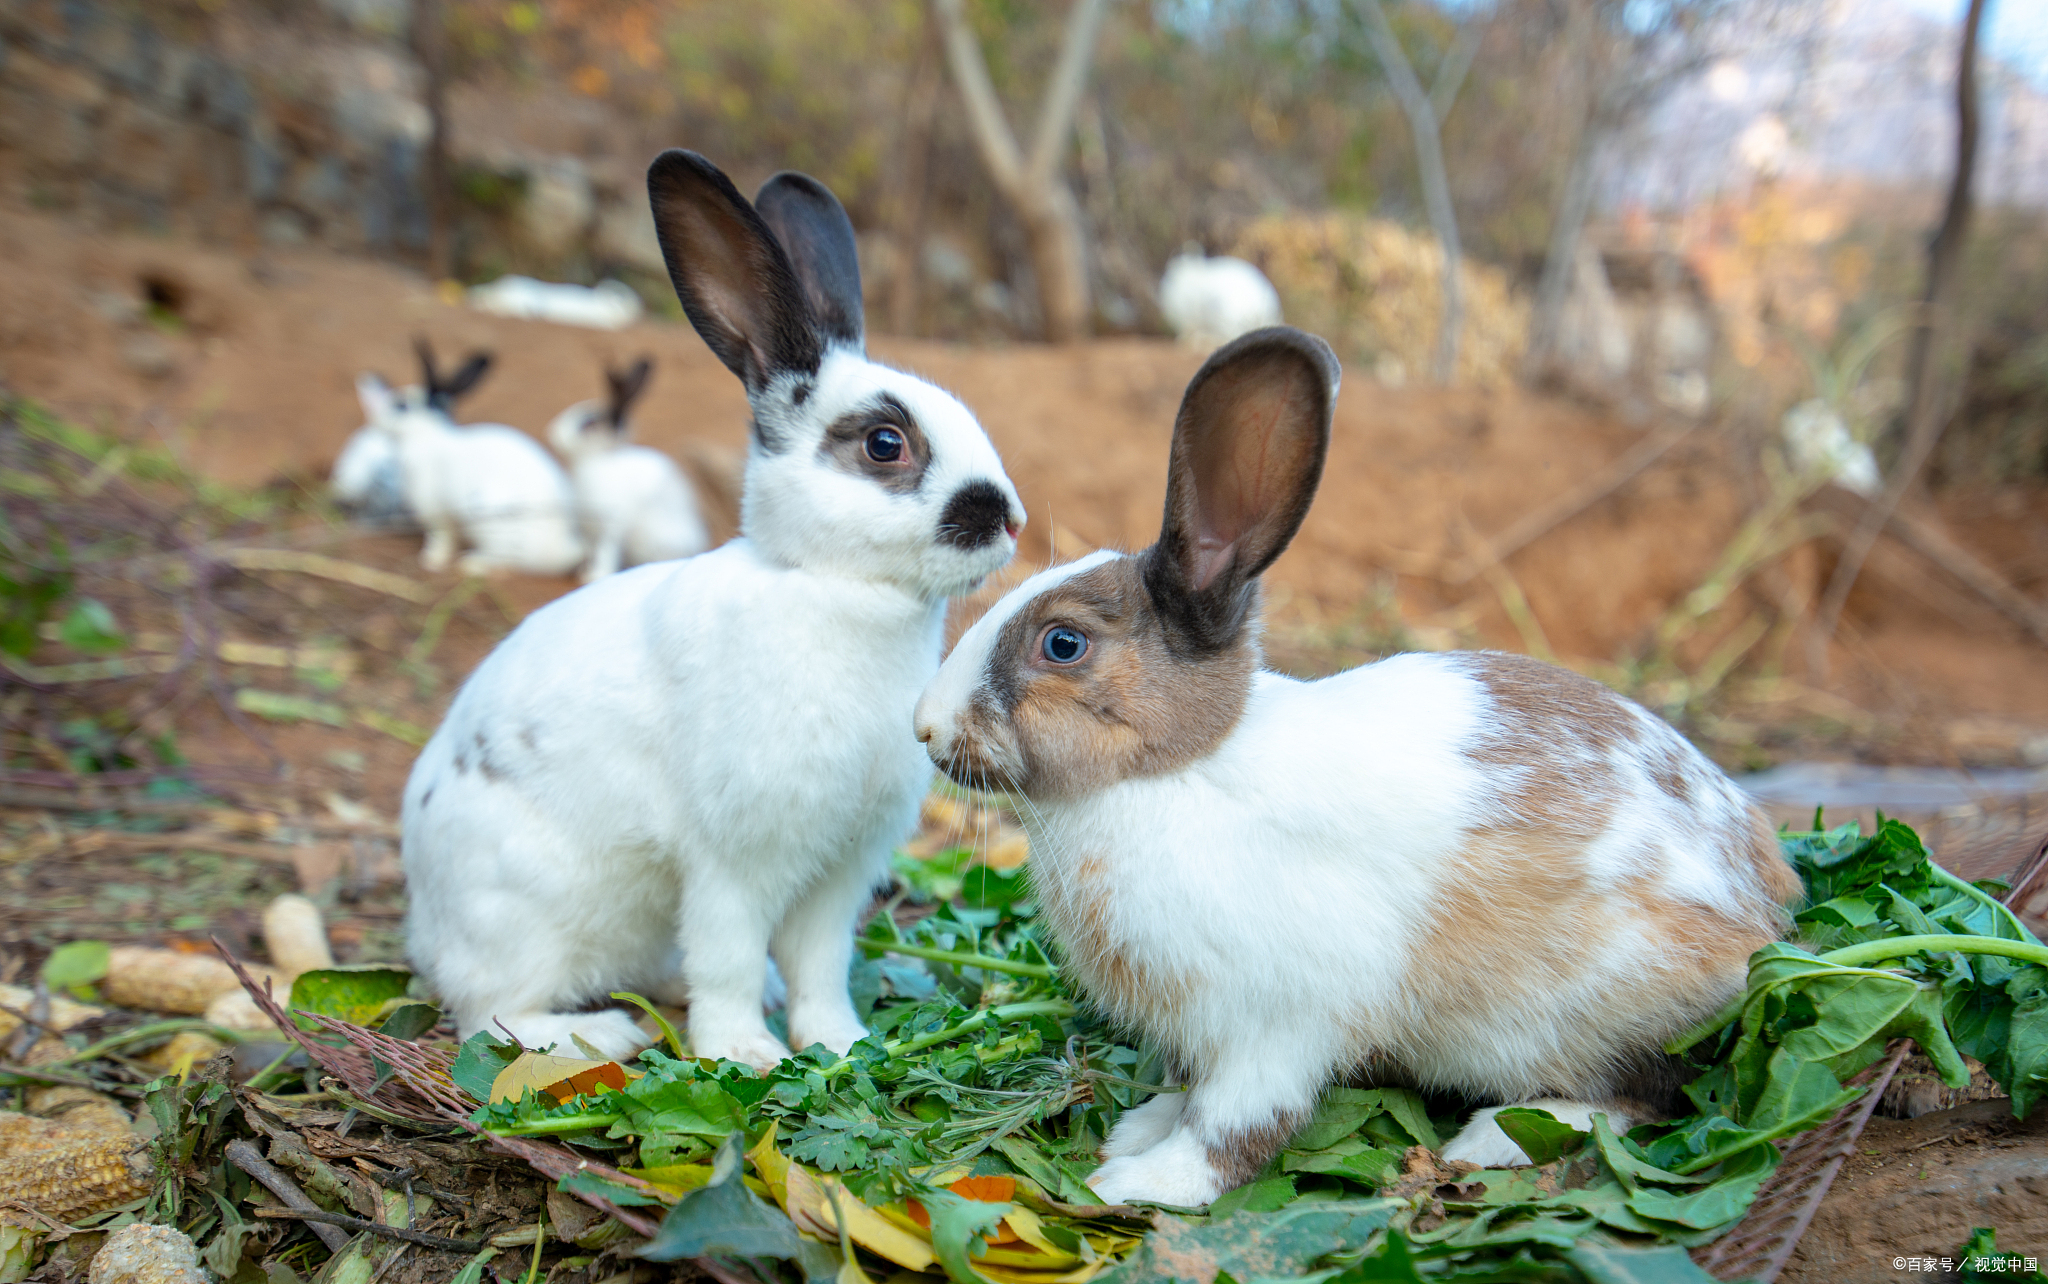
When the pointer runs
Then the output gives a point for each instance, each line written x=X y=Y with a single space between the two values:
x=1423 y=115
x=1574 y=204
x=430 y=45
x=1031 y=183
x=920 y=112
x=1924 y=415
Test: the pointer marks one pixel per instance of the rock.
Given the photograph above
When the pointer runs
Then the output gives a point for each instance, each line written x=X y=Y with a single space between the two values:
x=141 y=1254
x=149 y=356
x=558 y=206
x=625 y=234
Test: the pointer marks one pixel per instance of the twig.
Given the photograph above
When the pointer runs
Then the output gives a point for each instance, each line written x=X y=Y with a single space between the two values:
x=317 y=1218
x=329 y=568
x=243 y=1155
x=1534 y=525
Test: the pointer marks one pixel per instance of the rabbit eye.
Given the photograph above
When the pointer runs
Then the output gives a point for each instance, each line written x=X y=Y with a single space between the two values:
x=885 y=445
x=1063 y=645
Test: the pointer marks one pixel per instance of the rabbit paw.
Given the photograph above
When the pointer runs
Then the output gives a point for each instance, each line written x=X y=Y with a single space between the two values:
x=1145 y=1127
x=1482 y=1142
x=1176 y=1171
x=837 y=1032
x=610 y=1032
x=760 y=1049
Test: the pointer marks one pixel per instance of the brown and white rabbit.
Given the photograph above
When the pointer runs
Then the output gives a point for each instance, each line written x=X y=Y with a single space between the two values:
x=1466 y=871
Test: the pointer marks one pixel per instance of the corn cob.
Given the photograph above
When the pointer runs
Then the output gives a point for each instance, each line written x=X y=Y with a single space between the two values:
x=74 y=1166
x=143 y=1254
x=165 y=980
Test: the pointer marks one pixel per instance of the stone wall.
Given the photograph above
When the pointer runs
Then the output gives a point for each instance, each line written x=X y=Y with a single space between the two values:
x=302 y=121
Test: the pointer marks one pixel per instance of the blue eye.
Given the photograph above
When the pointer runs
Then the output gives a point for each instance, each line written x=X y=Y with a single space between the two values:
x=885 y=445
x=1063 y=645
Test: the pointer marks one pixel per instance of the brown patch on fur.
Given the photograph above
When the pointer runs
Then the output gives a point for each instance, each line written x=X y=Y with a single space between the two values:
x=1078 y=909
x=1237 y=1156
x=1131 y=706
x=1758 y=842
x=1518 y=921
x=845 y=444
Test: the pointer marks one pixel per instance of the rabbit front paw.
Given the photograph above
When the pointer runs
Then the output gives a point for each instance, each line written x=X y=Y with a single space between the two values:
x=838 y=1032
x=759 y=1049
x=1177 y=1171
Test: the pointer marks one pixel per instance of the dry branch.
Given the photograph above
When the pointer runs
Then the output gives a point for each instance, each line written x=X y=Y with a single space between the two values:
x=1539 y=522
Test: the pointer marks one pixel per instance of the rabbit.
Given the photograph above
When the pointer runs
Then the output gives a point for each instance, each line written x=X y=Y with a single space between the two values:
x=1464 y=871
x=1210 y=301
x=634 y=503
x=488 y=485
x=663 y=777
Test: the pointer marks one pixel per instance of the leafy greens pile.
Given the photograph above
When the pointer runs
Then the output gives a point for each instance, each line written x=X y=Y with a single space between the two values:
x=955 y=1141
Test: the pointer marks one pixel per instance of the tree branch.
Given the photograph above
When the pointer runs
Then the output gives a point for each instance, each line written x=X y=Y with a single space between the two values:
x=1450 y=76
x=1063 y=92
x=1436 y=187
x=985 y=118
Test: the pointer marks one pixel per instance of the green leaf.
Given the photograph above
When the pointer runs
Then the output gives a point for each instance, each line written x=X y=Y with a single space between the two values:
x=352 y=994
x=723 y=1217
x=1250 y=1245
x=1340 y=1113
x=1606 y=1262
x=1541 y=1135
x=658 y=1102
x=957 y=1231
x=1405 y=1105
x=90 y=627
x=472 y=1271
x=1351 y=1158
x=1254 y=1197
x=74 y=966
x=476 y=1066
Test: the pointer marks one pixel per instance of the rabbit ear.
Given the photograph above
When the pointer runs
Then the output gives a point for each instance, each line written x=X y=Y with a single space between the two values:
x=732 y=275
x=818 y=237
x=1248 y=450
x=375 y=394
x=430 y=377
x=464 y=379
x=626 y=387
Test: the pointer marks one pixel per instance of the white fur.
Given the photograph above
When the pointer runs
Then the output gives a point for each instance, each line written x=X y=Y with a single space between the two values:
x=485 y=485
x=609 y=305
x=1210 y=301
x=633 y=502
x=1482 y=1142
x=694 y=764
x=366 y=477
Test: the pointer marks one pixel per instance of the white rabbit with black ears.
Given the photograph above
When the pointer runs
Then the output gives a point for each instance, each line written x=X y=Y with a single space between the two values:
x=634 y=503
x=487 y=485
x=662 y=779
x=1466 y=871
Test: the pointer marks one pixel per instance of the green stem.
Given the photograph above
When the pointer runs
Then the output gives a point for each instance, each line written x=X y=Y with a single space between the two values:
x=1892 y=947
x=144 y=1033
x=959 y=958
x=1055 y=1008
x=551 y=1127
x=1869 y=952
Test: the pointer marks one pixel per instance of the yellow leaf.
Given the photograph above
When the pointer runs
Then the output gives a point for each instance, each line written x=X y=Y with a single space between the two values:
x=558 y=1077
x=810 y=1207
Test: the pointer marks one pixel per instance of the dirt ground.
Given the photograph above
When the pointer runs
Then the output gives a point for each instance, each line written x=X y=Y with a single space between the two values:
x=1915 y=1188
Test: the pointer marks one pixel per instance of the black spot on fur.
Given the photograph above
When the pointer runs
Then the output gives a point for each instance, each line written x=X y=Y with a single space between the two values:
x=461 y=762
x=975 y=516
x=426 y=797
x=488 y=767
x=529 y=735
x=801 y=393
